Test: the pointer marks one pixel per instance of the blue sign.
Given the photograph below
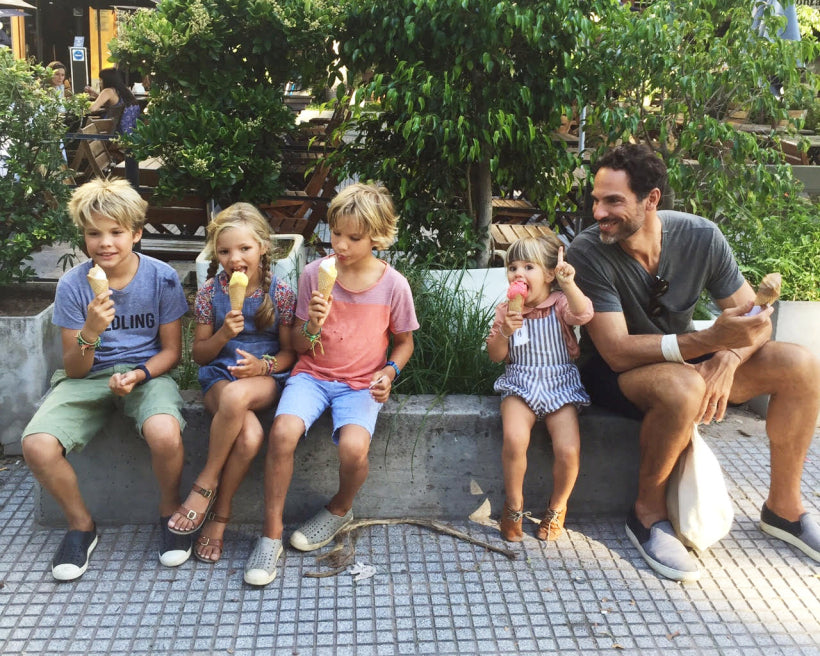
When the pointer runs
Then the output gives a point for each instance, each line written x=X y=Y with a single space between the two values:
x=77 y=54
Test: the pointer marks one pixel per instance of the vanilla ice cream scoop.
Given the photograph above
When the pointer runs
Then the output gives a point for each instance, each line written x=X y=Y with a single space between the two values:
x=97 y=279
x=327 y=276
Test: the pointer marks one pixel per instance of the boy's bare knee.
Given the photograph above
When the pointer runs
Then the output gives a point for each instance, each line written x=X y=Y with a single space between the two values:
x=41 y=449
x=162 y=433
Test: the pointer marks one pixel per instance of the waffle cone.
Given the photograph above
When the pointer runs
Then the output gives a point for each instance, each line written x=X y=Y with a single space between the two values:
x=98 y=285
x=516 y=303
x=769 y=290
x=326 y=282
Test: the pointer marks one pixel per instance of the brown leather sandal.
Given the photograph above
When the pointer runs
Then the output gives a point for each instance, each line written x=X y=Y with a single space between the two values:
x=552 y=525
x=205 y=541
x=193 y=515
x=511 y=521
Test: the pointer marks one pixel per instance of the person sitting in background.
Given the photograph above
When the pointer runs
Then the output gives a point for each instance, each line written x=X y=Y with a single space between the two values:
x=59 y=83
x=115 y=95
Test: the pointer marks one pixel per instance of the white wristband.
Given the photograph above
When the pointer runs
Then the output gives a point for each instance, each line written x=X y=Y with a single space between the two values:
x=670 y=349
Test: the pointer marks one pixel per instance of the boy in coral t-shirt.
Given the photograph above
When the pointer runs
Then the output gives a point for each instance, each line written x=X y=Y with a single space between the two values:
x=342 y=341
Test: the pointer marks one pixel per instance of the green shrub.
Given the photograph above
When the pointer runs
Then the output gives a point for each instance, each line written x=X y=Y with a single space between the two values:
x=33 y=189
x=779 y=235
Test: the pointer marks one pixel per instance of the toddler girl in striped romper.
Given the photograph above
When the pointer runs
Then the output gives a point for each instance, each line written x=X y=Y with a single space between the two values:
x=540 y=381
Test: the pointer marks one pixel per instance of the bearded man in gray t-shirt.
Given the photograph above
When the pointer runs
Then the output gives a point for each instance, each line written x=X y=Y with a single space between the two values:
x=644 y=270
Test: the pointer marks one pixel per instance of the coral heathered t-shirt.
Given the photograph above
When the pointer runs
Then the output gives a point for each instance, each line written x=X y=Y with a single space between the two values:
x=356 y=333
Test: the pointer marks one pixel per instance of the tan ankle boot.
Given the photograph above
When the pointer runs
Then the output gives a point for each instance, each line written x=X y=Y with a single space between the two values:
x=552 y=525
x=511 y=521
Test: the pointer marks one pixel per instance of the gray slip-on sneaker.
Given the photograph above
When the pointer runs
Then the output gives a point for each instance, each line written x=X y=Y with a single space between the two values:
x=261 y=566
x=803 y=534
x=661 y=549
x=320 y=529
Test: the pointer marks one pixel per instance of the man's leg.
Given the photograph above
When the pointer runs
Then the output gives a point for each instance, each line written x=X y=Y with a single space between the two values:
x=670 y=396
x=791 y=374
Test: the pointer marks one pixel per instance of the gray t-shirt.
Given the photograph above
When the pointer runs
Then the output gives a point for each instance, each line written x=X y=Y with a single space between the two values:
x=694 y=256
x=154 y=297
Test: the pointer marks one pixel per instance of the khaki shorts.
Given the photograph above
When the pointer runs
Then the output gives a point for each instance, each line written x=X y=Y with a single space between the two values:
x=77 y=408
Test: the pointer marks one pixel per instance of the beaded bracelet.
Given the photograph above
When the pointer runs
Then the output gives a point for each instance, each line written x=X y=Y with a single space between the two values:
x=272 y=364
x=314 y=339
x=84 y=345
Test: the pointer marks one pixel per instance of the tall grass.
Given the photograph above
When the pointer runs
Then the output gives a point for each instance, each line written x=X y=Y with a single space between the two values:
x=450 y=355
x=186 y=372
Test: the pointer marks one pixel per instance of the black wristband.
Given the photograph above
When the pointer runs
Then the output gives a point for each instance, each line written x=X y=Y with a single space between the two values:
x=144 y=370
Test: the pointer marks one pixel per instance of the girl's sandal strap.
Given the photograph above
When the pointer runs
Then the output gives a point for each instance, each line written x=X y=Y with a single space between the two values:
x=205 y=492
x=213 y=517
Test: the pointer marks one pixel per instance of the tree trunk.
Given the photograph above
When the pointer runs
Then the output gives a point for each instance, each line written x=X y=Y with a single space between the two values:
x=483 y=194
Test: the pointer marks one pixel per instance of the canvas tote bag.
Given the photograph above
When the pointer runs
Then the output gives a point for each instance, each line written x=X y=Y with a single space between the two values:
x=697 y=501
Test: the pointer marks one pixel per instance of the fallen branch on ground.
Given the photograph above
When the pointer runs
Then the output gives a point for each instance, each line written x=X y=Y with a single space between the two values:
x=342 y=555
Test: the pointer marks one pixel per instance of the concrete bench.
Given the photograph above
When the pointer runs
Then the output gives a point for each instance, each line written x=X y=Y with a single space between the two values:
x=429 y=457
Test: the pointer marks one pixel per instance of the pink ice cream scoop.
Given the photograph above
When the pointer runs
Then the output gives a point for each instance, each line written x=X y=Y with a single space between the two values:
x=517 y=293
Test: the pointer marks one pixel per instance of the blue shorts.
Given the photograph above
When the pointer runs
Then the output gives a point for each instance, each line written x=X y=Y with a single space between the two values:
x=307 y=397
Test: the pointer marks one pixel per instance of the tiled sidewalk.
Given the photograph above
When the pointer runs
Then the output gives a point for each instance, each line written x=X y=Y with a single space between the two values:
x=588 y=593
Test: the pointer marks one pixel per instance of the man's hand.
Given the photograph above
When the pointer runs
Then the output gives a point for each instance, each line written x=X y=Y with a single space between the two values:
x=718 y=373
x=734 y=330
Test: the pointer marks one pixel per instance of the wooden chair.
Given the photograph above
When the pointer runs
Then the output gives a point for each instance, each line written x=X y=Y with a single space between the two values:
x=92 y=158
x=311 y=183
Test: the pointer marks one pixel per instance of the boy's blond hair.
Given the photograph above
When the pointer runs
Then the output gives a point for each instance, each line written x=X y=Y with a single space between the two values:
x=372 y=207
x=114 y=199
x=542 y=251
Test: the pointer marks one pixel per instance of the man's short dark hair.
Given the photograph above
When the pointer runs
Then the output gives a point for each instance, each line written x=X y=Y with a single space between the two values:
x=645 y=170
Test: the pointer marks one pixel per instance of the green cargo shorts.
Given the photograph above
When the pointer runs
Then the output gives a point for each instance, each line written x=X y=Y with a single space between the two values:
x=76 y=409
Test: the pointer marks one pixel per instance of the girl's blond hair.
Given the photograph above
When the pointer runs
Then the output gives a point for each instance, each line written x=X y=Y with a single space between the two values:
x=113 y=199
x=542 y=251
x=372 y=207
x=245 y=215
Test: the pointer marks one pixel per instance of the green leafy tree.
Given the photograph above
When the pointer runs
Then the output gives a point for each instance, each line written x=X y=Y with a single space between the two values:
x=680 y=71
x=468 y=92
x=218 y=69
x=33 y=173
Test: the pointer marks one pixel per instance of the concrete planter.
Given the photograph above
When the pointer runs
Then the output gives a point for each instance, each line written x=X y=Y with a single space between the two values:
x=796 y=322
x=30 y=351
x=287 y=267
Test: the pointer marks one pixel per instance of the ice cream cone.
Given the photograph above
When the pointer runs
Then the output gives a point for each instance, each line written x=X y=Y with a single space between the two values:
x=517 y=294
x=97 y=279
x=327 y=276
x=236 y=289
x=769 y=290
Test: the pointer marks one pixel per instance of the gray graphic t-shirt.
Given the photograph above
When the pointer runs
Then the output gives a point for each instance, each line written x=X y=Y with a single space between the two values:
x=154 y=297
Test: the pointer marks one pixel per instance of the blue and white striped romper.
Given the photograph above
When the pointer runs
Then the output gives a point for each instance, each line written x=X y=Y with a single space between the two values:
x=541 y=371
